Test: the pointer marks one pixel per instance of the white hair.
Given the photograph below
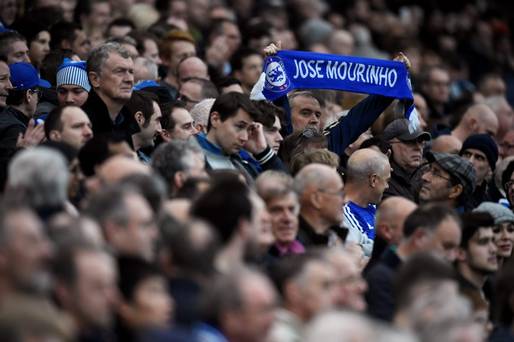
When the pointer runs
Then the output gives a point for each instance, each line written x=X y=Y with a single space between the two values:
x=41 y=175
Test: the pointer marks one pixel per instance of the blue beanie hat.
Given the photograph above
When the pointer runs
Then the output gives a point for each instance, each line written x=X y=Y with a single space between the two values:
x=71 y=72
x=485 y=144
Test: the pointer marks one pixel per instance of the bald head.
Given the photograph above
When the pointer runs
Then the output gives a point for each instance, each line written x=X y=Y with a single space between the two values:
x=446 y=144
x=192 y=67
x=118 y=167
x=480 y=119
x=365 y=162
x=313 y=176
x=391 y=216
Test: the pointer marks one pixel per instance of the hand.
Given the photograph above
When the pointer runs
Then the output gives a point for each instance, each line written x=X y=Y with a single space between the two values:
x=400 y=57
x=33 y=135
x=272 y=49
x=256 y=140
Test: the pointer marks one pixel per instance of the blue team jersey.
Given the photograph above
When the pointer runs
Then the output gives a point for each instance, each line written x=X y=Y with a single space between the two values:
x=362 y=219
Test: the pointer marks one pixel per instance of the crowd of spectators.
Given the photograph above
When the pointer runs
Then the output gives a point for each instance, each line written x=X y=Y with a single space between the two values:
x=147 y=195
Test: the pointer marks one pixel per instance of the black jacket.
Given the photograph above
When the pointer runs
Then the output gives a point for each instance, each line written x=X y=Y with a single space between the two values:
x=380 y=295
x=401 y=184
x=309 y=238
x=121 y=129
x=12 y=123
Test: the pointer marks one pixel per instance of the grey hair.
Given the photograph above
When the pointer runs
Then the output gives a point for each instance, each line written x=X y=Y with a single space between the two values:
x=41 y=175
x=308 y=176
x=151 y=68
x=110 y=204
x=99 y=55
x=174 y=156
x=200 y=111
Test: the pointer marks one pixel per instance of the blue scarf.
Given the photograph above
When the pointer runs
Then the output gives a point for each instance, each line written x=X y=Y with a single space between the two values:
x=289 y=70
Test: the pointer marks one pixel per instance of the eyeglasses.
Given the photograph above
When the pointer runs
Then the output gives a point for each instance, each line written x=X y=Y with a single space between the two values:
x=333 y=193
x=186 y=99
x=36 y=92
x=410 y=142
x=437 y=173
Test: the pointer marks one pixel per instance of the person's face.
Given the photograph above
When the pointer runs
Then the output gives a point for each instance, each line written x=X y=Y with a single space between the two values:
x=116 y=78
x=480 y=163
x=151 y=51
x=190 y=94
x=381 y=182
x=305 y=111
x=152 y=306
x=504 y=238
x=445 y=240
x=350 y=284
x=438 y=87
x=273 y=136
x=436 y=185
x=232 y=35
x=68 y=9
x=481 y=252
x=71 y=95
x=141 y=229
x=507 y=145
x=27 y=251
x=8 y=11
x=284 y=217
x=76 y=127
x=319 y=291
x=5 y=83
x=81 y=45
x=261 y=221
x=18 y=52
x=407 y=154
x=180 y=50
x=332 y=199
x=232 y=134
x=258 y=312
x=184 y=124
x=100 y=15
x=510 y=189
x=95 y=290
x=154 y=125
x=39 y=47
x=251 y=70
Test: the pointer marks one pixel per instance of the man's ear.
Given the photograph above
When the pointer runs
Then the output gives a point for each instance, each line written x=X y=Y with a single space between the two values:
x=94 y=79
x=385 y=231
x=372 y=180
x=473 y=124
x=455 y=191
x=55 y=135
x=215 y=119
x=140 y=118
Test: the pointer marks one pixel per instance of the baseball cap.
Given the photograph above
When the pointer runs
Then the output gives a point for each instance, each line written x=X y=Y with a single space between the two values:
x=24 y=76
x=401 y=130
x=456 y=166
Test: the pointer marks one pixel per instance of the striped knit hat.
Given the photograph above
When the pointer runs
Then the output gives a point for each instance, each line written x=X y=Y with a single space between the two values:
x=71 y=72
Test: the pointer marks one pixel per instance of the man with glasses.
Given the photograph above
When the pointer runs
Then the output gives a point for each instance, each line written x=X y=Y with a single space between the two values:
x=450 y=180
x=320 y=190
x=407 y=156
x=21 y=106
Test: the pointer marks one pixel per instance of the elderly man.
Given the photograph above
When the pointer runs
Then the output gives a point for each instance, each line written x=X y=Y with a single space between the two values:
x=127 y=221
x=320 y=190
x=72 y=83
x=407 y=156
x=178 y=161
x=367 y=176
x=111 y=74
x=450 y=180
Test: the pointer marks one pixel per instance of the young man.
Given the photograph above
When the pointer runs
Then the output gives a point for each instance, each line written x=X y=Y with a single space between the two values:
x=231 y=132
x=68 y=124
